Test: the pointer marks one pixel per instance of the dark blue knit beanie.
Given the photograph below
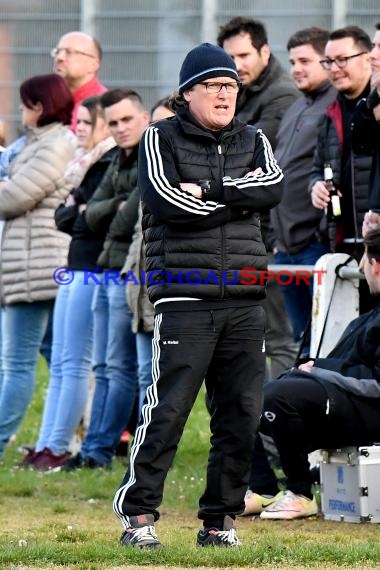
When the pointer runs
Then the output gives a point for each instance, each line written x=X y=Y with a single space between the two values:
x=204 y=62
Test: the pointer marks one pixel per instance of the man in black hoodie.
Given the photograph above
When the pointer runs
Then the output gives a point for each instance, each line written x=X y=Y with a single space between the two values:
x=328 y=403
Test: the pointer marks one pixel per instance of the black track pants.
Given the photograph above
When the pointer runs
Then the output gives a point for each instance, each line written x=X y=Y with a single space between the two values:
x=302 y=416
x=225 y=347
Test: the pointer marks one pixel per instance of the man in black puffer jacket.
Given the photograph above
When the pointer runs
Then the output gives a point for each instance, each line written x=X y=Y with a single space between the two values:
x=203 y=177
x=347 y=62
x=366 y=133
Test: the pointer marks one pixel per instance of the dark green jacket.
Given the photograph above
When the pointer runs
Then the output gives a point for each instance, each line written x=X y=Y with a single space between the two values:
x=118 y=185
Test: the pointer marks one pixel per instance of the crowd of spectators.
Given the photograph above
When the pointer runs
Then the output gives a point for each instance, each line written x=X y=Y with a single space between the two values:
x=230 y=173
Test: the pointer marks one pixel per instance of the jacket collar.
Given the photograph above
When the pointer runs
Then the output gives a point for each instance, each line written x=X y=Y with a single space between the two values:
x=190 y=126
x=38 y=132
x=366 y=91
x=90 y=88
x=334 y=112
x=321 y=90
x=125 y=160
x=267 y=76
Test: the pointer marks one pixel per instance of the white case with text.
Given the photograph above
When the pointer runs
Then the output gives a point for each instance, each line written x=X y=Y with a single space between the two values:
x=350 y=484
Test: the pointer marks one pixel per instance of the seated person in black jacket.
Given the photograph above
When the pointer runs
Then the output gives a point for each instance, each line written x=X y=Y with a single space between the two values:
x=331 y=402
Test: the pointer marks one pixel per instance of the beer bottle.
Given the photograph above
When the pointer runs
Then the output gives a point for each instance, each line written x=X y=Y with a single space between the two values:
x=333 y=209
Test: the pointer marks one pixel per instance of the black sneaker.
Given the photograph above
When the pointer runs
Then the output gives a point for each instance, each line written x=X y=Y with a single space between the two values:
x=80 y=462
x=92 y=463
x=141 y=533
x=75 y=462
x=218 y=537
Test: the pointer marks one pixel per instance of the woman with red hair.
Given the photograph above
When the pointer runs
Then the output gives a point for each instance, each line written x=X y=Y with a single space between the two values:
x=32 y=247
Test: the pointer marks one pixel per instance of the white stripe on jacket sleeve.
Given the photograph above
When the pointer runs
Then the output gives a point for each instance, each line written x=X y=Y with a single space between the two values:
x=160 y=183
x=273 y=174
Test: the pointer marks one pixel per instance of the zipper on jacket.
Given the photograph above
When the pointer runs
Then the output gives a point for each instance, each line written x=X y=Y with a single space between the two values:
x=29 y=251
x=353 y=195
x=221 y=169
x=223 y=259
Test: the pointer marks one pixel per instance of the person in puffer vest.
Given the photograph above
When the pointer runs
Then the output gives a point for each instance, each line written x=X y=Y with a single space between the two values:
x=204 y=177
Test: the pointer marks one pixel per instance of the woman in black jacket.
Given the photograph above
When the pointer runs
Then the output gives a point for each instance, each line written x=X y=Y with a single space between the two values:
x=72 y=326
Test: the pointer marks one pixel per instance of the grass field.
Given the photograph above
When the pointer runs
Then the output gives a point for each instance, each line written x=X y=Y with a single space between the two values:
x=65 y=520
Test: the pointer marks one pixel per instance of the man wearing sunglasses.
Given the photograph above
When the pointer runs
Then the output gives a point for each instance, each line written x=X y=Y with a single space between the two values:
x=77 y=59
x=347 y=63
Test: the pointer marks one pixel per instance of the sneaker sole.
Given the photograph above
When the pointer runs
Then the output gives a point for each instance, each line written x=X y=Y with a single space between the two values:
x=286 y=516
x=212 y=545
x=155 y=545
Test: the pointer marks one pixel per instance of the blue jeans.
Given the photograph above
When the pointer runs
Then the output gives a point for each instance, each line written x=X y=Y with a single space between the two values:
x=24 y=325
x=299 y=298
x=47 y=341
x=144 y=363
x=115 y=368
x=70 y=364
x=1 y=349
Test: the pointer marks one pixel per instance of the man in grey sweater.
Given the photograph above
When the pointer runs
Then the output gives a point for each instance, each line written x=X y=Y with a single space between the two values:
x=297 y=237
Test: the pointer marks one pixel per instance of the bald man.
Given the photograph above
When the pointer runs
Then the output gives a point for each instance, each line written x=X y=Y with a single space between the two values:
x=77 y=59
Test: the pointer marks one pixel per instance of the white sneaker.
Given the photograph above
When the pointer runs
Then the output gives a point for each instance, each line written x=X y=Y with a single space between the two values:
x=255 y=503
x=290 y=506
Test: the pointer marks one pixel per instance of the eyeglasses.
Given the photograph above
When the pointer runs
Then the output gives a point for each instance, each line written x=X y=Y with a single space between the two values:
x=69 y=52
x=340 y=61
x=213 y=87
